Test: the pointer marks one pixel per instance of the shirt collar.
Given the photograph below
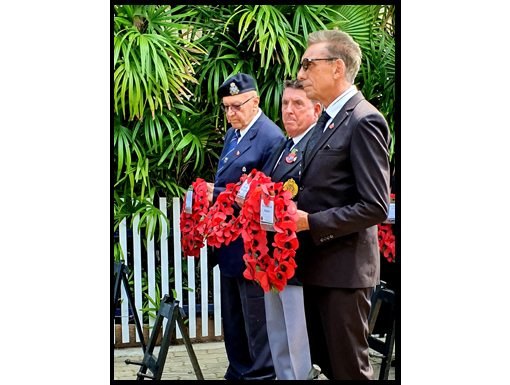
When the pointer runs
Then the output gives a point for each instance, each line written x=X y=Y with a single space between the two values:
x=335 y=107
x=243 y=132
x=297 y=139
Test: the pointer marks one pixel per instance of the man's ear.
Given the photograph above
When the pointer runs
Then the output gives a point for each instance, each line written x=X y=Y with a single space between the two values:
x=256 y=101
x=339 y=68
x=317 y=110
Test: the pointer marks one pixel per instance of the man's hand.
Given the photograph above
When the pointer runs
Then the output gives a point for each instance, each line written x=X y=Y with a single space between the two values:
x=210 y=191
x=302 y=223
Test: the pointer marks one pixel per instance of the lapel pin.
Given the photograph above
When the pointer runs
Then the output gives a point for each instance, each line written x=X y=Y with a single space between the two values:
x=331 y=126
x=237 y=153
x=244 y=169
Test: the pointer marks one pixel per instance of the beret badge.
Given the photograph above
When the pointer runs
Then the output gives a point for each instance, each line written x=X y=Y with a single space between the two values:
x=233 y=89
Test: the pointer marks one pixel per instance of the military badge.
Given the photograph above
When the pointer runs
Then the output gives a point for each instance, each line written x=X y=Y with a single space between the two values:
x=291 y=186
x=233 y=89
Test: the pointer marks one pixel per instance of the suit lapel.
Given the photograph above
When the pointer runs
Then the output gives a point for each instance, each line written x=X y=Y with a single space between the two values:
x=285 y=168
x=243 y=145
x=337 y=122
x=271 y=163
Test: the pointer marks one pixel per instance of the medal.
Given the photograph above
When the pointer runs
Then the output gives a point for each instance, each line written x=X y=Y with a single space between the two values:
x=291 y=158
x=291 y=186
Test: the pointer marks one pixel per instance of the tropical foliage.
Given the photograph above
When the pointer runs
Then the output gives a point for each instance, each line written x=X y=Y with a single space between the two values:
x=169 y=61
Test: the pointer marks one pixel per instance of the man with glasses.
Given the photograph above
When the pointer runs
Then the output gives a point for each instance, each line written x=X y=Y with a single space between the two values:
x=343 y=195
x=248 y=145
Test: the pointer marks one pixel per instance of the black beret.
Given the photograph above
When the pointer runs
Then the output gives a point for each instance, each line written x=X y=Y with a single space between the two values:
x=237 y=84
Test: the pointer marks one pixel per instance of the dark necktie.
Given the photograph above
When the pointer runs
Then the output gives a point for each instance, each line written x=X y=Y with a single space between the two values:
x=231 y=146
x=286 y=152
x=316 y=134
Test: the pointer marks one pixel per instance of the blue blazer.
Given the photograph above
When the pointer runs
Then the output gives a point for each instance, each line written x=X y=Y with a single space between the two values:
x=252 y=152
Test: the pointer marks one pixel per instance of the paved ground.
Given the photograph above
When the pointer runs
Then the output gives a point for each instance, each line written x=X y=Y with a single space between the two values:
x=211 y=358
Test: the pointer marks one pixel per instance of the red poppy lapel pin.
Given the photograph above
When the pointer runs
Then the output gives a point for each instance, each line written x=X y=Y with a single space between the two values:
x=291 y=158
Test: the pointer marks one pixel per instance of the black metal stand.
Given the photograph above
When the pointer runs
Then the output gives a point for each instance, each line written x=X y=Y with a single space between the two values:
x=170 y=310
x=122 y=271
x=385 y=348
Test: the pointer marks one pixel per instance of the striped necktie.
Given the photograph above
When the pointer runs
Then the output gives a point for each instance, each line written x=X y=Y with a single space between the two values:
x=231 y=146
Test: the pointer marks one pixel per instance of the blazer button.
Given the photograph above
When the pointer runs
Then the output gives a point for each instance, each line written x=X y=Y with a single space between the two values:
x=301 y=188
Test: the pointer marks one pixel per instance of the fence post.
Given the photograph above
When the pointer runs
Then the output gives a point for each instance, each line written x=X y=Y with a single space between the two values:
x=217 y=300
x=137 y=265
x=124 y=307
x=164 y=254
x=204 y=290
x=177 y=252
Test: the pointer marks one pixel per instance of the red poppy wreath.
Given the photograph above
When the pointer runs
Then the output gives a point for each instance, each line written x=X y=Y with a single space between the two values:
x=386 y=239
x=270 y=273
x=220 y=226
x=193 y=225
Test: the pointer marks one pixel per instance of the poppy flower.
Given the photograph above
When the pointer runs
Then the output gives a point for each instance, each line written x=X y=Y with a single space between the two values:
x=389 y=252
x=225 y=206
x=263 y=280
x=277 y=279
x=186 y=225
x=280 y=254
x=251 y=267
x=290 y=244
x=257 y=247
x=287 y=268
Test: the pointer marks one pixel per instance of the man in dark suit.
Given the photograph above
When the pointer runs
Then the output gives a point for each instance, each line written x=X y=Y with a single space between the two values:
x=343 y=195
x=285 y=312
x=248 y=145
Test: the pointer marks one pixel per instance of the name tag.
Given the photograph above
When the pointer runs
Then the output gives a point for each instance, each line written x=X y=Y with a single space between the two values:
x=267 y=216
x=241 y=195
x=189 y=202
x=391 y=214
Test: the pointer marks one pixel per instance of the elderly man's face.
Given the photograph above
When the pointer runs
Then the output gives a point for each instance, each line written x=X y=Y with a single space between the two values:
x=298 y=112
x=319 y=75
x=244 y=115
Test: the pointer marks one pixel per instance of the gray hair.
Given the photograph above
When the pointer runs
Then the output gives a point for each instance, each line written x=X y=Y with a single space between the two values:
x=342 y=46
x=297 y=85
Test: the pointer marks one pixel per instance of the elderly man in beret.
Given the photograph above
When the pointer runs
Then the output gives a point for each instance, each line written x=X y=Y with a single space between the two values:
x=249 y=144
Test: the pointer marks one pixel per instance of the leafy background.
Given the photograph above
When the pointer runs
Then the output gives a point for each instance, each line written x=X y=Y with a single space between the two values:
x=169 y=61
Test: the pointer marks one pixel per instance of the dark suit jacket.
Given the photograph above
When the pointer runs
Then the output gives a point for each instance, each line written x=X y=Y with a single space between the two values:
x=345 y=189
x=283 y=172
x=254 y=151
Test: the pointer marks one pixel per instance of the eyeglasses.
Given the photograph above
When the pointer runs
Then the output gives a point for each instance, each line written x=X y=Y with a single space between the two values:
x=234 y=107
x=305 y=61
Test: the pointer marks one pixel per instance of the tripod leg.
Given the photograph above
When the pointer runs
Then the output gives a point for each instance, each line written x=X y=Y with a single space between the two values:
x=148 y=356
x=188 y=345
x=165 y=342
x=386 y=364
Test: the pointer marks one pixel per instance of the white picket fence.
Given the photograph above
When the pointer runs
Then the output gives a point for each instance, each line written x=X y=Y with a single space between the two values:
x=165 y=289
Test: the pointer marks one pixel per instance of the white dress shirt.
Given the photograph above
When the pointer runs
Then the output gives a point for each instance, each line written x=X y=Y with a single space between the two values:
x=335 y=107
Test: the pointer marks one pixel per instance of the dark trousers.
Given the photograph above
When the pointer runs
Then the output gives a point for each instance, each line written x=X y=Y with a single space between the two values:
x=337 y=325
x=244 y=327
